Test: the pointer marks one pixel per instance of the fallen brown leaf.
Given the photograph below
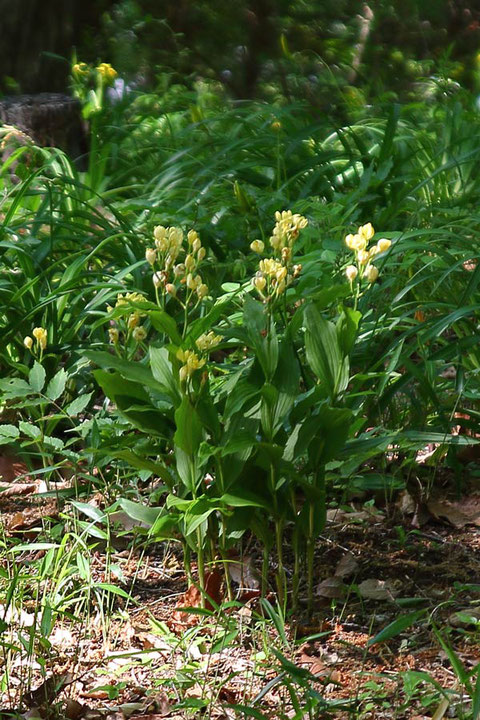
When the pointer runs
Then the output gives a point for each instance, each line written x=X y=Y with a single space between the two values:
x=347 y=566
x=331 y=587
x=373 y=589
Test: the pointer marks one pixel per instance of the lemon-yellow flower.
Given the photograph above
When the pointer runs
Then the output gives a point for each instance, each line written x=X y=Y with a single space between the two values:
x=28 y=342
x=351 y=272
x=40 y=335
x=257 y=246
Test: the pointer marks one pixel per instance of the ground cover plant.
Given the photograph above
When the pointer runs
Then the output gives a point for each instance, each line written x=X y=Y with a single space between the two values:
x=238 y=397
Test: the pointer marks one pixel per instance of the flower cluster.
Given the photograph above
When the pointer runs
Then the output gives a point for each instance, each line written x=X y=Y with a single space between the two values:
x=107 y=74
x=169 y=245
x=130 y=326
x=275 y=274
x=208 y=341
x=191 y=362
x=40 y=335
x=358 y=243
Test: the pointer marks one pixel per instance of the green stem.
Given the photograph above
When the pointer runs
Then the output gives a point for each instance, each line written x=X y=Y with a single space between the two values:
x=201 y=566
x=310 y=556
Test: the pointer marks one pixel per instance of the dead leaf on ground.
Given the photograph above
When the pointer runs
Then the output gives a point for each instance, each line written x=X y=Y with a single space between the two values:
x=331 y=587
x=463 y=512
x=337 y=515
x=193 y=598
x=11 y=468
x=373 y=589
x=347 y=566
x=243 y=573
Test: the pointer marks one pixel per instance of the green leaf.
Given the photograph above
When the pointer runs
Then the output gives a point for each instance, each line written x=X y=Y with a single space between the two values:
x=90 y=511
x=240 y=497
x=137 y=511
x=162 y=371
x=198 y=512
x=36 y=377
x=347 y=329
x=78 y=405
x=112 y=589
x=56 y=386
x=188 y=434
x=396 y=627
x=30 y=430
x=15 y=388
x=8 y=433
x=323 y=352
x=53 y=442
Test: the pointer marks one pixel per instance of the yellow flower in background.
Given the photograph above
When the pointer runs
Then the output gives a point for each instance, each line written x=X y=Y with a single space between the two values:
x=257 y=246
x=207 y=341
x=191 y=363
x=383 y=245
x=370 y=273
x=113 y=335
x=150 y=255
x=40 y=335
x=107 y=72
x=351 y=272
x=139 y=333
x=80 y=69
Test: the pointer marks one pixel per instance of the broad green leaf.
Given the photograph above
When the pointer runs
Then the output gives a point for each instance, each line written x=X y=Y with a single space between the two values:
x=32 y=431
x=36 y=377
x=162 y=371
x=78 y=405
x=9 y=432
x=188 y=434
x=15 y=388
x=239 y=497
x=323 y=352
x=198 y=512
x=56 y=386
x=90 y=511
x=139 y=512
x=53 y=442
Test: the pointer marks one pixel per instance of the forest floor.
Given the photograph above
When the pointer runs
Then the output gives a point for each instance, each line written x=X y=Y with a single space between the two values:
x=134 y=653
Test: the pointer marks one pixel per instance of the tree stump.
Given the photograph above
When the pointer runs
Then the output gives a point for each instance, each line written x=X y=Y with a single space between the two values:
x=50 y=119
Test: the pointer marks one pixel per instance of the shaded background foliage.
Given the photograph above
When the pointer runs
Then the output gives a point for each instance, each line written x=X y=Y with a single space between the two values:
x=248 y=45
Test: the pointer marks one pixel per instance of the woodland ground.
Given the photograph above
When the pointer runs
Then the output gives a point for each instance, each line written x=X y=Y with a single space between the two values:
x=376 y=562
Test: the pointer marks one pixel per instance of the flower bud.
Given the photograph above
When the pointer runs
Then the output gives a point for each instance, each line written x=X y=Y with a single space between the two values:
x=40 y=335
x=257 y=246
x=28 y=342
x=259 y=282
x=171 y=289
x=189 y=262
x=183 y=373
x=363 y=257
x=113 y=335
x=150 y=255
x=192 y=236
x=196 y=245
x=370 y=273
x=157 y=279
x=280 y=287
x=383 y=245
x=133 y=320
x=159 y=232
x=351 y=272
x=202 y=291
x=366 y=231
x=201 y=254
x=297 y=269
x=179 y=270
x=139 y=334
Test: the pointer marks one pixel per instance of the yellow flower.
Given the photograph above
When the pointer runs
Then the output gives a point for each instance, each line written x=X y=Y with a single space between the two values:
x=171 y=289
x=366 y=231
x=257 y=246
x=133 y=320
x=113 y=335
x=192 y=236
x=139 y=333
x=351 y=272
x=383 y=245
x=132 y=297
x=259 y=282
x=370 y=273
x=356 y=242
x=201 y=254
x=207 y=341
x=363 y=257
x=80 y=69
x=191 y=363
x=158 y=279
x=196 y=245
x=40 y=335
x=150 y=255
x=107 y=72
x=202 y=291
x=190 y=262
x=28 y=342
x=287 y=228
x=276 y=126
